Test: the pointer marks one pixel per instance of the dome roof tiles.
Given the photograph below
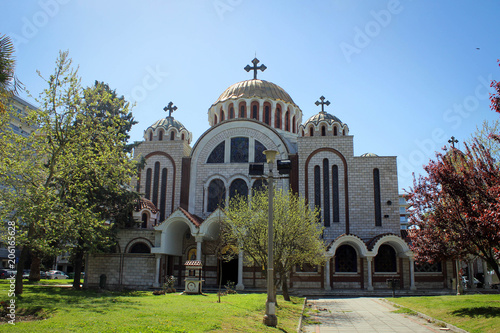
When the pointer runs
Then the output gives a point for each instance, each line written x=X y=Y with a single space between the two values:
x=255 y=88
x=324 y=116
x=167 y=123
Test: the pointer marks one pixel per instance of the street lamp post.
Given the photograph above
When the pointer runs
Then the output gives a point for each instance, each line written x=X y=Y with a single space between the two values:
x=270 y=318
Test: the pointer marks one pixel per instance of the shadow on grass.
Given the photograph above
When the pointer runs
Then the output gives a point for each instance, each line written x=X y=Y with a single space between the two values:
x=482 y=311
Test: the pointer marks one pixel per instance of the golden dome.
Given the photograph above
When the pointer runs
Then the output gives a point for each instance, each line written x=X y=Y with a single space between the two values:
x=255 y=88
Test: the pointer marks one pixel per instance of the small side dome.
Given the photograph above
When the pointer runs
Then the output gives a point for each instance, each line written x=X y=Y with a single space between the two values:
x=146 y=204
x=168 y=128
x=369 y=155
x=323 y=123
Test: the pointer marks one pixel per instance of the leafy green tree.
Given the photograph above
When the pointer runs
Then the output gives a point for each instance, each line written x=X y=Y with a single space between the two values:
x=9 y=84
x=297 y=232
x=485 y=136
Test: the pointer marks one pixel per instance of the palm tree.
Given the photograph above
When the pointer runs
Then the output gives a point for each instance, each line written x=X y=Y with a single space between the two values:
x=9 y=84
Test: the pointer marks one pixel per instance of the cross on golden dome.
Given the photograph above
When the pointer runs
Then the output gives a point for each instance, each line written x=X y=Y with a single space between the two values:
x=255 y=61
x=170 y=108
x=323 y=103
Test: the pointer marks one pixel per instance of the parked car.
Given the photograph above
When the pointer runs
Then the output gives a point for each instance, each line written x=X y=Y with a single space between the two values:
x=26 y=274
x=55 y=274
x=6 y=273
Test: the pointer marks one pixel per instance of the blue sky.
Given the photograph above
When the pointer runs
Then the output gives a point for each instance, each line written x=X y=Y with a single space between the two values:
x=404 y=75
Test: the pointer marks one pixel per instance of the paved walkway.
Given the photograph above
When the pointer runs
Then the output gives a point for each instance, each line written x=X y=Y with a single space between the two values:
x=362 y=314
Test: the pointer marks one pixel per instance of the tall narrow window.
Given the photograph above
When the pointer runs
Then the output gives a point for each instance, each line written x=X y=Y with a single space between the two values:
x=376 y=197
x=163 y=194
x=172 y=134
x=216 y=195
x=150 y=136
x=343 y=131
x=385 y=260
x=160 y=135
x=277 y=121
x=287 y=121
x=156 y=183
x=311 y=131
x=317 y=187
x=215 y=119
x=293 y=126
x=326 y=193
x=144 y=220
x=243 y=111
x=335 y=130
x=149 y=176
x=231 y=112
x=255 y=112
x=182 y=137
x=335 y=190
x=323 y=131
x=222 y=116
x=267 y=117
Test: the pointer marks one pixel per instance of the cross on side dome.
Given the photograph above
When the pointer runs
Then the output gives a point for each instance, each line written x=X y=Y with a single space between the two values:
x=170 y=108
x=255 y=61
x=323 y=103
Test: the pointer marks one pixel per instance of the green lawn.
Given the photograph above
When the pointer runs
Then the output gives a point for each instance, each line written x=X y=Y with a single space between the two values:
x=473 y=313
x=90 y=311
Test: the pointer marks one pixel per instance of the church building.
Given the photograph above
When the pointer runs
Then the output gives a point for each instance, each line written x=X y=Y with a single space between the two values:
x=183 y=184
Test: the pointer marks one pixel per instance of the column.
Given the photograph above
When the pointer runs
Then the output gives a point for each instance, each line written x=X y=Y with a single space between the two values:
x=369 y=271
x=327 y=274
x=412 y=274
x=156 y=283
x=240 y=285
x=199 y=240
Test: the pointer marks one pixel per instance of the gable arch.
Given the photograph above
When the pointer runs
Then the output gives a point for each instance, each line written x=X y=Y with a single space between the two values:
x=401 y=247
x=136 y=241
x=351 y=240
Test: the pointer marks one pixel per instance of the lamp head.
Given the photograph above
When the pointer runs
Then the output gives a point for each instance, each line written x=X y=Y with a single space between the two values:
x=270 y=155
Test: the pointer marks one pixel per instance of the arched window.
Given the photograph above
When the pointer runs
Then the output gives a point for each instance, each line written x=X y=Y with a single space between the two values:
x=231 y=112
x=346 y=259
x=160 y=135
x=215 y=119
x=150 y=136
x=149 y=177
x=144 y=220
x=343 y=131
x=311 y=131
x=326 y=193
x=239 y=150
x=277 y=120
x=140 y=247
x=287 y=121
x=335 y=130
x=267 y=115
x=294 y=126
x=217 y=155
x=216 y=195
x=303 y=133
x=323 y=130
x=259 y=185
x=182 y=137
x=385 y=260
x=335 y=192
x=222 y=116
x=255 y=110
x=243 y=110
x=172 y=134
x=376 y=197
x=238 y=188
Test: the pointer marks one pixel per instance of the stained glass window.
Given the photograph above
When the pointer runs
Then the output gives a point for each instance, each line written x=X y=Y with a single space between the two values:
x=267 y=118
x=239 y=150
x=231 y=113
x=426 y=267
x=238 y=188
x=259 y=185
x=242 y=111
x=287 y=121
x=326 y=193
x=216 y=195
x=255 y=114
x=217 y=155
x=277 y=121
x=346 y=259
x=385 y=260
x=376 y=197
x=335 y=191
x=260 y=157
x=156 y=183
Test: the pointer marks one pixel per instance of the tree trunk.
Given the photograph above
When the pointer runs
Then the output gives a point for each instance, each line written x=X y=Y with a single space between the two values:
x=20 y=267
x=35 y=268
x=77 y=264
x=284 y=287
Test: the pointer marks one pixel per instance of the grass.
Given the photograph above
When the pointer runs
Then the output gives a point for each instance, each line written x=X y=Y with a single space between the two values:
x=68 y=310
x=473 y=313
